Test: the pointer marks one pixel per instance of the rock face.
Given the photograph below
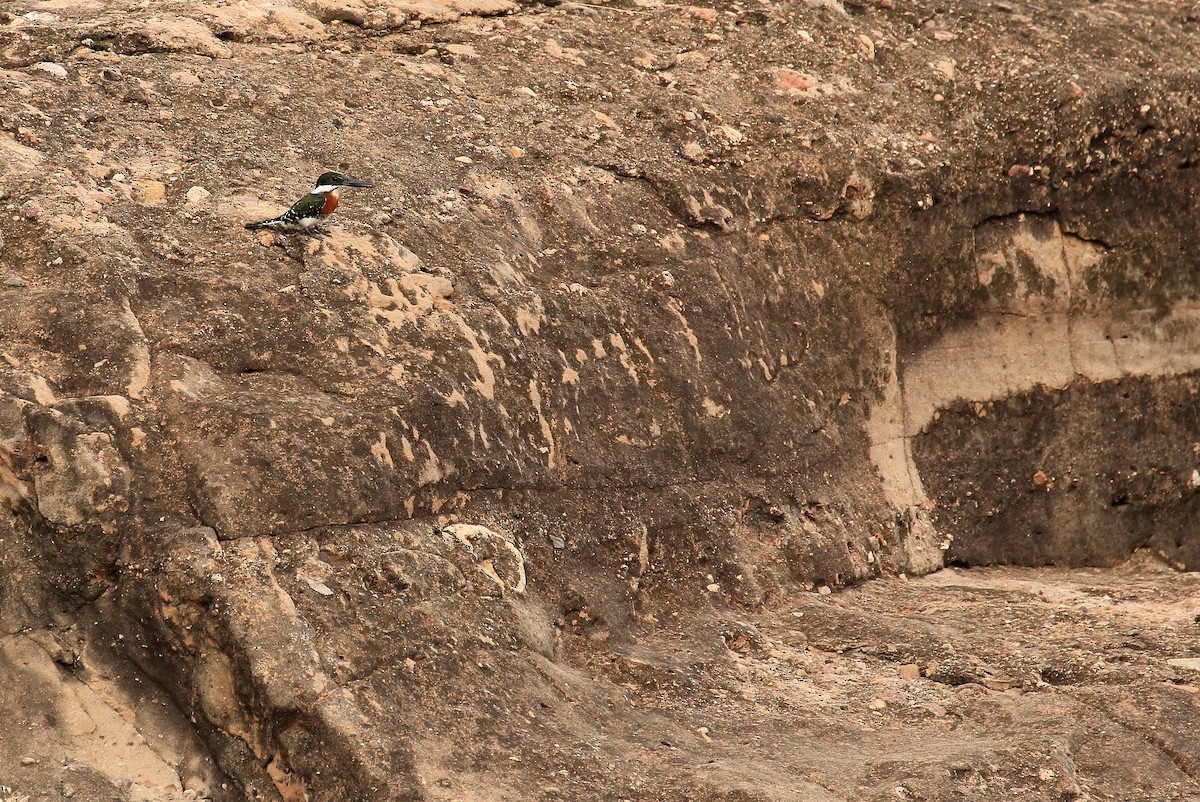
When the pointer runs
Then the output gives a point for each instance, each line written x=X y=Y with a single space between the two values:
x=659 y=319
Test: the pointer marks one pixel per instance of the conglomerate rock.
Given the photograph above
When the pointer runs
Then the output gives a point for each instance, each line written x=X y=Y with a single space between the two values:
x=661 y=323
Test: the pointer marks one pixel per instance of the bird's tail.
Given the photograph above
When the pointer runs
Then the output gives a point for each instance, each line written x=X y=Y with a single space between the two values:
x=259 y=224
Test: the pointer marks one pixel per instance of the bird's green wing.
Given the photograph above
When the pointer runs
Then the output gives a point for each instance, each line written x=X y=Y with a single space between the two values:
x=308 y=206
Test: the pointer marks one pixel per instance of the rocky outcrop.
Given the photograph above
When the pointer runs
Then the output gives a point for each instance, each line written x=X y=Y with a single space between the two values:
x=660 y=324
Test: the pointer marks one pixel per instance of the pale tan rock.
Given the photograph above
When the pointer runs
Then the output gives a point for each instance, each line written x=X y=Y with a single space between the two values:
x=85 y=479
x=166 y=34
x=264 y=21
x=16 y=158
x=571 y=54
x=789 y=80
x=90 y=719
x=197 y=195
x=57 y=70
x=356 y=12
x=1185 y=663
x=462 y=51
x=185 y=78
x=434 y=11
x=426 y=284
x=151 y=192
x=701 y=13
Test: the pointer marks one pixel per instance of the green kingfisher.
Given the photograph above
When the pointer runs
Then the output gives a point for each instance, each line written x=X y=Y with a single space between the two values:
x=318 y=204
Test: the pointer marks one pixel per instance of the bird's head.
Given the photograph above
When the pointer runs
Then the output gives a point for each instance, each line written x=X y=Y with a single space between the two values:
x=330 y=181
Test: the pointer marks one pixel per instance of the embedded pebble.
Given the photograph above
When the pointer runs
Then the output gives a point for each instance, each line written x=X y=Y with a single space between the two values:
x=197 y=195
x=319 y=586
x=57 y=70
x=1187 y=663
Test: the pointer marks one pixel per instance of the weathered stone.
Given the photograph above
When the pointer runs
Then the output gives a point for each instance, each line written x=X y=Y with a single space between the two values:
x=153 y=193
x=81 y=478
x=197 y=196
x=160 y=34
x=396 y=13
x=57 y=70
x=618 y=422
x=249 y=21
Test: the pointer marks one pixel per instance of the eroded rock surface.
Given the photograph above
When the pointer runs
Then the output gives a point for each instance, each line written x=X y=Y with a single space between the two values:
x=535 y=478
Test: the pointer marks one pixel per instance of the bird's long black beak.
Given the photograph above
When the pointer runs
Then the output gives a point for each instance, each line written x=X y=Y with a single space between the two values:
x=355 y=182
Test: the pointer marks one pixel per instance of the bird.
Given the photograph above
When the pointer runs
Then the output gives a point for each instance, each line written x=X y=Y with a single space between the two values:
x=307 y=213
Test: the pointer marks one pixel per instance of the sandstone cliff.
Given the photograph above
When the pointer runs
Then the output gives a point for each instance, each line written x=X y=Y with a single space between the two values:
x=532 y=480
